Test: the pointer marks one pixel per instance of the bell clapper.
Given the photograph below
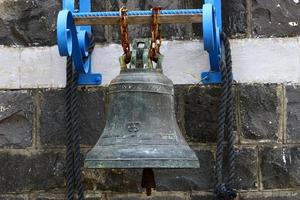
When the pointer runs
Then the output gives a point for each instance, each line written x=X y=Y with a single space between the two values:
x=148 y=180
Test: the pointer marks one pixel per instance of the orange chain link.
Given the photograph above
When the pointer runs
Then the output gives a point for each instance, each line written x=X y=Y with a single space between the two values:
x=155 y=34
x=124 y=33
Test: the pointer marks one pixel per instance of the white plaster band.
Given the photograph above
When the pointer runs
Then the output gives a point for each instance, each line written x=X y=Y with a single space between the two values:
x=271 y=60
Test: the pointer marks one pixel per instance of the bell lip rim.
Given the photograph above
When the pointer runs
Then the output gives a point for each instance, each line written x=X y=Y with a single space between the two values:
x=146 y=167
x=154 y=163
x=97 y=165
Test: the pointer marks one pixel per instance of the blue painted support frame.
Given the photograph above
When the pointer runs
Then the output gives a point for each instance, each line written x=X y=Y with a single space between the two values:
x=74 y=41
x=212 y=28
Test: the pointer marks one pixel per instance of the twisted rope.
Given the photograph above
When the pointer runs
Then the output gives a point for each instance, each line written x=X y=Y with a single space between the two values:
x=73 y=156
x=69 y=116
x=76 y=140
x=229 y=112
x=224 y=187
x=221 y=128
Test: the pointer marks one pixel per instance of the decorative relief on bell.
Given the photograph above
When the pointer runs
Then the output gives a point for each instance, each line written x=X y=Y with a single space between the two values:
x=133 y=127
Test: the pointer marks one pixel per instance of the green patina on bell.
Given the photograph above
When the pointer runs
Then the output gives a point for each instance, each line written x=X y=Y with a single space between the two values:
x=141 y=129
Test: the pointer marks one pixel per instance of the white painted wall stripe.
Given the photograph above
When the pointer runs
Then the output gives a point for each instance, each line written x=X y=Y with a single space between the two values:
x=272 y=60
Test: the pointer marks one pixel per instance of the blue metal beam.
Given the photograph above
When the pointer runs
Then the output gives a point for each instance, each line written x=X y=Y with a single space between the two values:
x=139 y=13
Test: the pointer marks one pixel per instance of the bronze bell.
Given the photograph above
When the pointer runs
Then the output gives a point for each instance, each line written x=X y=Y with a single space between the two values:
x=141 y=129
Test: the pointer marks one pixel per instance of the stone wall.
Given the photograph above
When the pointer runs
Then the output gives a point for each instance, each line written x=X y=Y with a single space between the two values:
x=32 y=128
x=32 y=123
x=33 y=23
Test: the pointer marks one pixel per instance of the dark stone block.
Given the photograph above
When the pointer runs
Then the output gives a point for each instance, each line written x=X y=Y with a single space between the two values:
x=293 y=114
x=52 y=120
x=276 y=18
x=92 y=114
x=37 y=171
x=100 y=196
x=197 y=110
x=16 y=118
x=179 y=93
x=280 y=167
x=259 y=115
x=33 y=23
x=30 y=23
x=116 y=180
x=188 y=179
x=50 y=198
x=99 y=31
x=208 y=196
x=280 y=195
x=234 y=17
x=12 y=197
x=201 y=105
x=269 y=198
x=53 y=195
x=165 y=197
x=93 y=198
x=197 y=28
x=246 y=168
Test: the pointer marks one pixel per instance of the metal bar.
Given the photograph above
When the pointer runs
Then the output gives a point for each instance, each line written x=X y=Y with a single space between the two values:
x=139 y=17
x=69 y=5
x=85 y=6
x=218 y=11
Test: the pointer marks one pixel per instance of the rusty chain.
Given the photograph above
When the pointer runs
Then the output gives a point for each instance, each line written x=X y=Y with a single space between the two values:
x=155 y=34
x=124 y=34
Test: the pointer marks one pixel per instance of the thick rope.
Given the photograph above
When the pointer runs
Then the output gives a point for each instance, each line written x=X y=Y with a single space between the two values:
x=229 y=113
x=224 y=187
x=76 y=141
x=73 y=156
x=69 y=115
x=221 y=128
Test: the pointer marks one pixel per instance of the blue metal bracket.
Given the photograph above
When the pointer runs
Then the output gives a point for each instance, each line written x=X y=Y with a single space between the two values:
x=212 y=28
x=74 y=40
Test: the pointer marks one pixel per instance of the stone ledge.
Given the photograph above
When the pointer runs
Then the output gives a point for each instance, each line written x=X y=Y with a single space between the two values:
x=254 y=61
